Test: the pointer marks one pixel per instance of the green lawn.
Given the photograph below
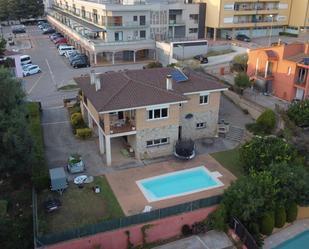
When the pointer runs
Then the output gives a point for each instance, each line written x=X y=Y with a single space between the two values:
x=230 y=160
x=79 y=207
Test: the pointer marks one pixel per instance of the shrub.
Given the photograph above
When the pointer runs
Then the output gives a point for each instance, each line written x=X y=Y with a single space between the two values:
x=267 y=121
x=83 y=133
x=291 y=212
x=77 y=119
x=186 y=230
x=40 y=173
x=280 y=217
x=154 y=64
x=298 y=112
x=217 y=219
x=267 y=223
x=288 y=34
x=241 y=80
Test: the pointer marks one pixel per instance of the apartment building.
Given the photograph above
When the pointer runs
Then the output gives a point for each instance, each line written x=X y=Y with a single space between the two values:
x=149 y=109
x=281 y=70
x=255 y=18
x=124 y=30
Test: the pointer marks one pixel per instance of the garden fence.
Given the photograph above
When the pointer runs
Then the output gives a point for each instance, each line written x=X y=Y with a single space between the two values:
x=243 y=234
x=128 y=221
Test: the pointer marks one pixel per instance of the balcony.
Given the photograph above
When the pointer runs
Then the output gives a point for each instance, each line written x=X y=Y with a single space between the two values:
x=121 y=122
x=126 y=25
x=265 y=75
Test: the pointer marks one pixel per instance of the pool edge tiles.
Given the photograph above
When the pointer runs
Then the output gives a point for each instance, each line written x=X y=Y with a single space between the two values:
x=287 y=243
x=150 y=197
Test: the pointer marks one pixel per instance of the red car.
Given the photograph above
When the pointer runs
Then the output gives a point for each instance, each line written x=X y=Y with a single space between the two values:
x=60 y=40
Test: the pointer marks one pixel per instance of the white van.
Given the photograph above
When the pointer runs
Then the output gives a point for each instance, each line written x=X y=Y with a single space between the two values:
x=63 y=49
x=25 y=59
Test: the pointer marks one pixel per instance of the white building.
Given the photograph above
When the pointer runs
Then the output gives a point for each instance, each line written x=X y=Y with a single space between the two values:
x=125 y=30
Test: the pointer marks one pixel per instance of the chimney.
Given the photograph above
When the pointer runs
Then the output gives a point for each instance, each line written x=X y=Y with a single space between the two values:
x=169 y=82
x=92 y=77
x=97 y=83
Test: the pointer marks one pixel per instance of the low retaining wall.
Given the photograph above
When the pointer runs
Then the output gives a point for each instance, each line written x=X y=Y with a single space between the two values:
x=303 y=213
x=159 y=230
x=254 y=109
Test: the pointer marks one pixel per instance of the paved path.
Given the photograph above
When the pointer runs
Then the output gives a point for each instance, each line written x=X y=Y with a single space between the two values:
x=285 y=234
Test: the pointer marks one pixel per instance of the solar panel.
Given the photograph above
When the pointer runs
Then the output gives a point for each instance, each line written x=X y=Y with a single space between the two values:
x=179 y=76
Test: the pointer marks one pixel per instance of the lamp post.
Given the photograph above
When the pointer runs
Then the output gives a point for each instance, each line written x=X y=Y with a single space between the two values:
x=271 y=29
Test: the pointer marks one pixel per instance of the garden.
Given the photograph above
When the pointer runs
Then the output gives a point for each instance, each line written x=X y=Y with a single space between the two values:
x=273 y=174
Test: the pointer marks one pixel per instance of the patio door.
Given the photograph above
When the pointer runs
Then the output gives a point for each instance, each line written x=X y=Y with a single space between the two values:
x=120 y=115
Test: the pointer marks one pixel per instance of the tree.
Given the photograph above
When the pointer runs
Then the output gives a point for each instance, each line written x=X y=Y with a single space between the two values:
x=217 y=219
x=259 y=153
x=292 y=182
x=239 y=62
x=298 y=112
x=2 y=46
x=251 y=196
x=241 y=80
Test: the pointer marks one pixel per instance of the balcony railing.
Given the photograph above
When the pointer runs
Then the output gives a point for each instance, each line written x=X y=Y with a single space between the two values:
x=122 y=128
x=264 y=74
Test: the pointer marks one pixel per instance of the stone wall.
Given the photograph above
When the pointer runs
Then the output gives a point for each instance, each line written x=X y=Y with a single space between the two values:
x=189 y=129
x=144 y=152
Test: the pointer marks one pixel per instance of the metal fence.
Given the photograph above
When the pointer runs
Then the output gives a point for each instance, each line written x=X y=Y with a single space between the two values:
x=128 y=221
x=243 y=234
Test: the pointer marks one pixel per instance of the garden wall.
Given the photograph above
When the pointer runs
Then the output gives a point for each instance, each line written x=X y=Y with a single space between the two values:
x=160 y=230
x=303 y=213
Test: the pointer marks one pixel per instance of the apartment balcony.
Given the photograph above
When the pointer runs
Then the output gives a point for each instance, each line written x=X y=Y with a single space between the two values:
x=127 y=25
x=264 y=75
x=176 y=23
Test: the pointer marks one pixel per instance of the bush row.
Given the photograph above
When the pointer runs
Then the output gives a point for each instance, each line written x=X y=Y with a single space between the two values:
x=40 y=173
x=288 y=34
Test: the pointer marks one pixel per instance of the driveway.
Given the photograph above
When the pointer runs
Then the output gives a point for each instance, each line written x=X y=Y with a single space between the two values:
x=60 y=143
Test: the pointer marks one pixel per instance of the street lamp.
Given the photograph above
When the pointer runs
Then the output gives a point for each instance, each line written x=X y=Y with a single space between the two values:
x=271 y=29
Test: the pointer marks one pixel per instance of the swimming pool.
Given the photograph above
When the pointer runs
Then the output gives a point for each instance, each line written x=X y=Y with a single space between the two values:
x=179 y=183
x=300 y=241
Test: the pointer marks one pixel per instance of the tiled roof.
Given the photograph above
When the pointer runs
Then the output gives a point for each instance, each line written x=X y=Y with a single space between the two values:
x=137 y=88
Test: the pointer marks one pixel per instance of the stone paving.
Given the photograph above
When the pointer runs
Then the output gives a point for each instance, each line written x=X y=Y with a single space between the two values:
x=287 y=233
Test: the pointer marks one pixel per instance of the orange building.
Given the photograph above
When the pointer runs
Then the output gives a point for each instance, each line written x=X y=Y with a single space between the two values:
x=281 y=70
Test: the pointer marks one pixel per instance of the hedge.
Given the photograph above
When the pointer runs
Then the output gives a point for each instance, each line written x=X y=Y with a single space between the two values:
x=267 y=223
x=83 y=133
x=40 y=173
x=267 y=121
x=288 y=34
x=291 y=212
x=280 y=217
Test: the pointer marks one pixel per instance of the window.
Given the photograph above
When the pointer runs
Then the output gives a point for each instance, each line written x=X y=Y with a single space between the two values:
x=118 y=36
x=158 y=113
x=157 y=142
x=289 y=70
x=142 y=20
x=201 y=125
x=203 y=99
x=135 y=18
x=192 y=30
x=194 y=17
x=302 y=75
x=142 y=34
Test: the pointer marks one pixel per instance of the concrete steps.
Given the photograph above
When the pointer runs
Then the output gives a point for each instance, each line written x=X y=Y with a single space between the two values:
x=235 y=133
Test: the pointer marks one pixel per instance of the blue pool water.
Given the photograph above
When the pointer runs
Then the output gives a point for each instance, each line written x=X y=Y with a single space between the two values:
x=301 y=241
x=178 y=183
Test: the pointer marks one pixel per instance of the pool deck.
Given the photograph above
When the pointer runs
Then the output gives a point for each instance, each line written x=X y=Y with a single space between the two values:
x=287 y=233
x=132 y=200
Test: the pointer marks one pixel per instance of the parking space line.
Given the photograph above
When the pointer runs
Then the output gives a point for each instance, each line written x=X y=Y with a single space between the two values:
x=51 y=73
x=35 y=83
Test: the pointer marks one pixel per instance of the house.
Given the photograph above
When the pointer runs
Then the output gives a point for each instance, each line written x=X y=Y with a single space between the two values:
x=281 y=70
x=126 y=30
x=151 y=108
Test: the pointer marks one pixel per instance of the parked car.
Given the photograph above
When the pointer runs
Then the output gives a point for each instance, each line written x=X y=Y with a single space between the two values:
x=24 y=67
x=60 y=40
x=55 y=35
x=18 y=29
x=242 y=37
x=77 y=57
x=75 y=164
x=33 y=69
x=25 y=59
x=201 y=58
x=51 y=205
x=68 y=53
x=63 y=49
x=82 y=62
x=48 y=31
